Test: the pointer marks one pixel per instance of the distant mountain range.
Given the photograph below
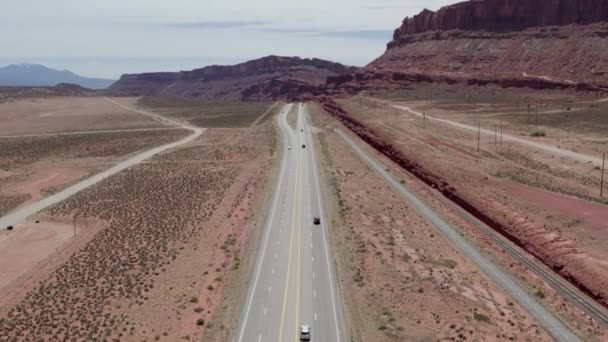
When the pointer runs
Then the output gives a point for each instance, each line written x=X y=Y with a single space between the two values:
x=38 y=75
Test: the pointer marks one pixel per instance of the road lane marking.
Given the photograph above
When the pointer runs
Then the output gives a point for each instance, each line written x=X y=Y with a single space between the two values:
x=315 y=316
x=313 y=274
x=314 y=293
x=295 y=199
x=260 y=337
x=269 y=289
x=274 y=206
x=265 y=310
x=273 y=270
x=299 y=260
x=330 y=276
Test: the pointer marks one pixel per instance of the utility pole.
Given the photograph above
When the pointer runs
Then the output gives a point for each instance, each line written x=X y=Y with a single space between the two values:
x=501 y=132
x=602 y=181
x=478 y=134
x=423 y=120
x=396 y=115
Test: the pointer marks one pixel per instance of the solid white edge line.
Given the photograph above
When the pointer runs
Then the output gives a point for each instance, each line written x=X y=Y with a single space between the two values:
x=333 y=301
x=255 y=283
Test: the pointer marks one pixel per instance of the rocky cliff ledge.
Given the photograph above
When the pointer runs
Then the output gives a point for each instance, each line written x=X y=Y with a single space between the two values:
x=265 y=78
x=536 y=43
x=506 y=15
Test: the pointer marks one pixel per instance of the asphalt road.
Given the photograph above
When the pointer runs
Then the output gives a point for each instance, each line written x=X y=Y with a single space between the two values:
x=558 y=330
x=293 y=282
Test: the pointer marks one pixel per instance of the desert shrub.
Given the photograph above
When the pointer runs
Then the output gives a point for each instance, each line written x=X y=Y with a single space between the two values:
x=481 y=317
x=538 y=134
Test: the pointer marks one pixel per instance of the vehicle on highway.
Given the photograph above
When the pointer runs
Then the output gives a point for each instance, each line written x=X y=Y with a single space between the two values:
x=289 y=147
x=316 y=221
x=303 y=146
x=302 y=130
x=305 y=333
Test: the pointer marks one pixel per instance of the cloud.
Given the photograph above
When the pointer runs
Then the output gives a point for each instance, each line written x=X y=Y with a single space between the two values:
x=384 y=35
x=212 y=24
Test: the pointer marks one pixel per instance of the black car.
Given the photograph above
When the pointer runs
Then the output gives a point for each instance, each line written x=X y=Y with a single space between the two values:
x=303 y=146
x=316 y=221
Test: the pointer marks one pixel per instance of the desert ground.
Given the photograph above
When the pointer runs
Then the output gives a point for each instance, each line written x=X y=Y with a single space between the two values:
x=405 y=280
x=548 y=200
x=68 y=114
x=163 y=250
x=210 y=113
x=151 y=253
x=49 y=143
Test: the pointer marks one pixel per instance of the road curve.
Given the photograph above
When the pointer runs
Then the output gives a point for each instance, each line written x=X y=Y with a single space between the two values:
x=558 y=330
x=293 y=282
x=21 y=214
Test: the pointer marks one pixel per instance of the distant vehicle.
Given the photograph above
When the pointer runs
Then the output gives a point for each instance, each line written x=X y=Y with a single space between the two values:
x=289 y=147
x=303 y=146
x=301 y=130
x=305 y=333
x=316 y=220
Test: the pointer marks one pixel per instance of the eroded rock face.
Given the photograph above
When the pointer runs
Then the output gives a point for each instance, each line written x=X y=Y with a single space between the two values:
x=506 y=15
x=536 y=43
x=270 y=77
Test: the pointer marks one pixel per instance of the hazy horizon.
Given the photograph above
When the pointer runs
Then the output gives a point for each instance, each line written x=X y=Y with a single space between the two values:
x=107 y=39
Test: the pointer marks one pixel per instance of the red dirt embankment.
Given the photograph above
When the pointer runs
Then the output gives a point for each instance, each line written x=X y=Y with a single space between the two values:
x=370 y=137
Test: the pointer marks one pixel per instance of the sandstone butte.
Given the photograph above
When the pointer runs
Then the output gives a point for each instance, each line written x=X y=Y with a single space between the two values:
x=542 y=44
x=265 y=78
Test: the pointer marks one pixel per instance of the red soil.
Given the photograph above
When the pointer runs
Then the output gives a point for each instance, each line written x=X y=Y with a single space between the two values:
x=595 y=216
x=556 y=253
x=45 y=179
x=436 y=142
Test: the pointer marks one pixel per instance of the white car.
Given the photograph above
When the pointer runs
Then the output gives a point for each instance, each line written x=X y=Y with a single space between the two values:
x=305 y=333
x=289 y=147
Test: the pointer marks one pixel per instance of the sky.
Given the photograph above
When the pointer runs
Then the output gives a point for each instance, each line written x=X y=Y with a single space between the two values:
x=108 y=38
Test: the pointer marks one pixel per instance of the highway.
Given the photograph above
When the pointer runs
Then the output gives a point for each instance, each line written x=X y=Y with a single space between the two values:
x=293 y=280
x=557 y=329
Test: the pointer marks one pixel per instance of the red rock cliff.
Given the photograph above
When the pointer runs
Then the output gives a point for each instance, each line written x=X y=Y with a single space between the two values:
x=506 y=15
x=264 y=78
x=536 y=43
